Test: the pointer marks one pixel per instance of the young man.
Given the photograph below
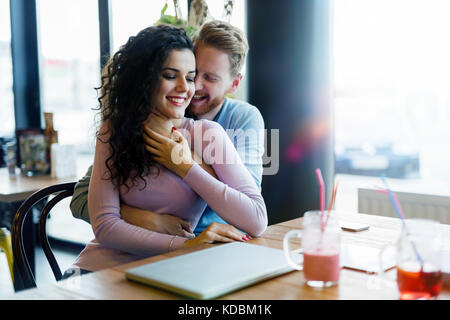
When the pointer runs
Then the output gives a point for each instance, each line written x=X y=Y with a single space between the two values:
x=220 y=51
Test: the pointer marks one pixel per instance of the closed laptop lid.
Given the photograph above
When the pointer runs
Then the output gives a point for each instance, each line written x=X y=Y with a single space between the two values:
x=213 y=272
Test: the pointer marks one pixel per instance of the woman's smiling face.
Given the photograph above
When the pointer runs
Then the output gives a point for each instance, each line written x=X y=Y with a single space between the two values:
x=176 y=87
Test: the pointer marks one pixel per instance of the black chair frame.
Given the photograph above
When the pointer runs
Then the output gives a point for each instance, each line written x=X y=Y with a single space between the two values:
x=61 y=191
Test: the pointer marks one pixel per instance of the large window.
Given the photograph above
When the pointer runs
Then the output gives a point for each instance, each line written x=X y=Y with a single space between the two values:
x=69 y=58
x=392 y=78
x=129 y=17
x=6 y=93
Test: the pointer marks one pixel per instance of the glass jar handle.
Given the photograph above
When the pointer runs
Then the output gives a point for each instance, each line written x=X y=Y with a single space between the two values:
x=287 y=248
x=382 y=272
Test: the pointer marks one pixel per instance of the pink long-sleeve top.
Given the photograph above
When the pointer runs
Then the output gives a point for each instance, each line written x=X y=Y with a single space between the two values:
x=236 y=198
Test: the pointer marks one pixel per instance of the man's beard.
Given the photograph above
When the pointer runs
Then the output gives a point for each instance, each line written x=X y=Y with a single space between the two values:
x=193 y=111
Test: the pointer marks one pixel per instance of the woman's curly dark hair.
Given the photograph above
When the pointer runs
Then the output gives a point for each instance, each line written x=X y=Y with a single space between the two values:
x=128 y=83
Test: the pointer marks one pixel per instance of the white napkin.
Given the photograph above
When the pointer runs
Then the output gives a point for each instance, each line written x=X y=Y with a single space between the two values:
x=63 y=161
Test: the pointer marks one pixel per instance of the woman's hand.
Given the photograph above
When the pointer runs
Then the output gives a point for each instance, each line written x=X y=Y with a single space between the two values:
x=151 y=142
x=175 y=154
x=217 y=232
x=161 y=223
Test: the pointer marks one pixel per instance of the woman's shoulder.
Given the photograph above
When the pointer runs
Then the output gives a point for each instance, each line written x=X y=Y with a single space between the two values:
x=103 y=131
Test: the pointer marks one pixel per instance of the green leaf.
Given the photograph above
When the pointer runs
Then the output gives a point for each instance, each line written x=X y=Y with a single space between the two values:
x=164 y=9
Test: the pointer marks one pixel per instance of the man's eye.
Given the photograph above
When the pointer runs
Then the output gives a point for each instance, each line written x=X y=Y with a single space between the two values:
x=190 y=79
x=209 y=78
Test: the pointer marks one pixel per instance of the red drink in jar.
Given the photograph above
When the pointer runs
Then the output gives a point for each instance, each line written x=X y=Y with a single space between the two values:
x=415 y=282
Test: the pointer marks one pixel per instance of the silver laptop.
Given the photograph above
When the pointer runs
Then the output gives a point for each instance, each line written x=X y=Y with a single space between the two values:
x=212 y=272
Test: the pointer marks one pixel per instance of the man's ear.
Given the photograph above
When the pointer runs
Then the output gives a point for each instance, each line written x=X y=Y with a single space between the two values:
x=237 y=79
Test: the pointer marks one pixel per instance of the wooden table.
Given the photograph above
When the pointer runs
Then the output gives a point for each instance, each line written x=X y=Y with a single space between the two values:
x=112 y=284
x=13 y=191
x=19 y=187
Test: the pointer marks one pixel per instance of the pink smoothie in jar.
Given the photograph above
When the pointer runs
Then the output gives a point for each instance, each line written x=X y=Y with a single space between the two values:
x=321 y=242
x=321 y=266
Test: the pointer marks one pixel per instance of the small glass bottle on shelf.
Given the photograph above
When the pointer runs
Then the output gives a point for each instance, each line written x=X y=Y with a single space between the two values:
x=51 y=136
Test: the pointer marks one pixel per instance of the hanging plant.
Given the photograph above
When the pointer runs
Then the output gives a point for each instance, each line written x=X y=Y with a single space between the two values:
x=176 y=20
x=198 y=14
x=227 y=10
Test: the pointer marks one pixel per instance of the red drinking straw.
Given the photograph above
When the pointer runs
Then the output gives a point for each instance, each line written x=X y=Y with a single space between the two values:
x=330 y=206
x=322 y=194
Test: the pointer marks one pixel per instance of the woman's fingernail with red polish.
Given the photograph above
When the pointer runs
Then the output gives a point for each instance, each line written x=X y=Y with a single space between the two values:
x=174 y=128
x=243 y=238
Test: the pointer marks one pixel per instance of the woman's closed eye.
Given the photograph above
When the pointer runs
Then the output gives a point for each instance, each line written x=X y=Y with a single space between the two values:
x=169 y=76
x=173 y=77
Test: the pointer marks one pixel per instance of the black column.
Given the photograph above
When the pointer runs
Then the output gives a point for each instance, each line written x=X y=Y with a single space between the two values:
x=289 y=77
x=24 y=52
x=27 y=106
x=104 y=29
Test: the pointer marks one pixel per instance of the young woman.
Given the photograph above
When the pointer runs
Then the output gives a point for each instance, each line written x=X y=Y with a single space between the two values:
x=141 y=160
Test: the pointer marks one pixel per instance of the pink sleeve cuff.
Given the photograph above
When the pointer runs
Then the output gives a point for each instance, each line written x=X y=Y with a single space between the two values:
x=178 y=243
